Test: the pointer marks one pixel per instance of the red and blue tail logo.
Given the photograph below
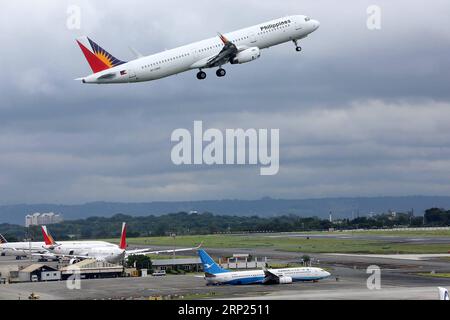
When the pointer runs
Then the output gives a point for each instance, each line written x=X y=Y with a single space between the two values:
x=98 y=58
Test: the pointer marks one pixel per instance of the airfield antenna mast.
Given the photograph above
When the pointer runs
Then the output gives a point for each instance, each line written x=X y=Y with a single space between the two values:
x=29 y=244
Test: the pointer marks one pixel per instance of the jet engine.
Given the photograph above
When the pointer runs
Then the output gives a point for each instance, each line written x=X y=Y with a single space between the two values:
x=247 y=55
x=284 y=280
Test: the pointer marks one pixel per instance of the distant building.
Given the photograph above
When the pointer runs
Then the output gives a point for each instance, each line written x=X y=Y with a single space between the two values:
x=92 y=269
x=188 y=264
x=38 y=219
x=40 y=272
x=242 y=261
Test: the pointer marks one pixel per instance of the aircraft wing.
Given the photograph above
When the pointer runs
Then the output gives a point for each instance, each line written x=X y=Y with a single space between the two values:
x=48 y=255
x=59 y=255
x=269 y=276
x=149 y=251
x=26 y=251
x=227 y=53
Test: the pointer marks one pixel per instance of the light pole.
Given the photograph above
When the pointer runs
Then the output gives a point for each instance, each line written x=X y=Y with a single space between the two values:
x=174 y=246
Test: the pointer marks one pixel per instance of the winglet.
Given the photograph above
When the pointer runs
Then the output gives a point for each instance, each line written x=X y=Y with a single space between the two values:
x=48 y=239
x=123 y=237
x=223 y=38
x=2 y=239
x=443 y=294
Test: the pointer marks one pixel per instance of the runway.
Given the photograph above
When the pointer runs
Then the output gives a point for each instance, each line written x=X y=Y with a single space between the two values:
x=349 y=236
x=407 y=293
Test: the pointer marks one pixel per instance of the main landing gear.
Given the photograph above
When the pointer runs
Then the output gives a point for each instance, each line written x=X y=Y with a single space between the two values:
x=201 y=75
x=221 y=72
x=297 y=47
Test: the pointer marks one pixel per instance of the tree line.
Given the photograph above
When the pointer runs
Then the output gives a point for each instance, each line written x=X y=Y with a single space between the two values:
x=183 y=223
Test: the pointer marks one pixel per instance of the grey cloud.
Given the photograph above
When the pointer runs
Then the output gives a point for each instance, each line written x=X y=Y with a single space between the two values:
x=360 y=112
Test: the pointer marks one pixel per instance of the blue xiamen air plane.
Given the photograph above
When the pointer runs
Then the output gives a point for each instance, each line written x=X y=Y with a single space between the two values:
x=214 y=274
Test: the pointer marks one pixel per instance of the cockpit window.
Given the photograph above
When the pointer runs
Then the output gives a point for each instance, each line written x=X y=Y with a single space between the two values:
x=307 y=19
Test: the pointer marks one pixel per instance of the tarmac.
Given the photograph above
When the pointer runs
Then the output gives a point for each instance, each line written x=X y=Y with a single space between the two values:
x=399 y=279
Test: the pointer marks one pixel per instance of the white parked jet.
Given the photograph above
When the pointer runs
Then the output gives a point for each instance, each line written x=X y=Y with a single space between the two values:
x=99 y=250
x=214 y=274
x=24 y=249
x=237 y=47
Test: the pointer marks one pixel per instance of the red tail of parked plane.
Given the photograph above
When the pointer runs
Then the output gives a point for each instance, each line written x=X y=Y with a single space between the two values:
x=48 y=239
x=123 y=237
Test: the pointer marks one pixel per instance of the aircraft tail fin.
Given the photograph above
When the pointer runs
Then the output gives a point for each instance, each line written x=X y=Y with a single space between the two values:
x=209 y=265
x=123 y=237
x=98 y=58
x=2 y=239
x=443 y=294
x=48 y=239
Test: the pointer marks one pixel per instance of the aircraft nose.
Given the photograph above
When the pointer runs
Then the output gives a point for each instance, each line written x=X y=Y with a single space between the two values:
x=316 y=24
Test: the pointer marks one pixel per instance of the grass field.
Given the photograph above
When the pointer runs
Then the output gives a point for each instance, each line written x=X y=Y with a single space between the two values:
x=406 y=232
x=301 y=245
x=435 y=275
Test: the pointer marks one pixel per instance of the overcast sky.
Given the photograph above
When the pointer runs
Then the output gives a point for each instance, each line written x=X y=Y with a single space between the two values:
x=360 y=112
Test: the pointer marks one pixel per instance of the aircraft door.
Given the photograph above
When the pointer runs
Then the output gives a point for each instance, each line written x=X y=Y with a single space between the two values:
x=131 y=75
x=194 y=54
x=253 y=38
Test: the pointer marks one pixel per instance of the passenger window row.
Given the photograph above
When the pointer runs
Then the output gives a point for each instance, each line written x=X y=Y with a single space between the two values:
x=165 y=60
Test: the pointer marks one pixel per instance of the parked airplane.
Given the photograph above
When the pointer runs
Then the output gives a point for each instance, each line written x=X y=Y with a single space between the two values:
x=24 y=249
x=237 y=47
x=214 y=274
x=99 y=250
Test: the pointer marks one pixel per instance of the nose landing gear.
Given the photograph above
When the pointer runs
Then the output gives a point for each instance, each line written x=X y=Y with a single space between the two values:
x=297 y=47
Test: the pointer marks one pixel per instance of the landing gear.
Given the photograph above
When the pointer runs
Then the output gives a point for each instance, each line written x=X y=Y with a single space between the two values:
x=201 y=75
x=221 y=72
x=297 y=47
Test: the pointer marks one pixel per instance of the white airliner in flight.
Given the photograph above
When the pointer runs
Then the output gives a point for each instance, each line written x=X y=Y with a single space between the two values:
x=98 y=250
x=237 y=47
x=214 y=274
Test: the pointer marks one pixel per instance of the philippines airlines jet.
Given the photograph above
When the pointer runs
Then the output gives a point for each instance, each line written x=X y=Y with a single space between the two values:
x=237 y=47
x=214 y=274
x=99 y=250
x=23 y=249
